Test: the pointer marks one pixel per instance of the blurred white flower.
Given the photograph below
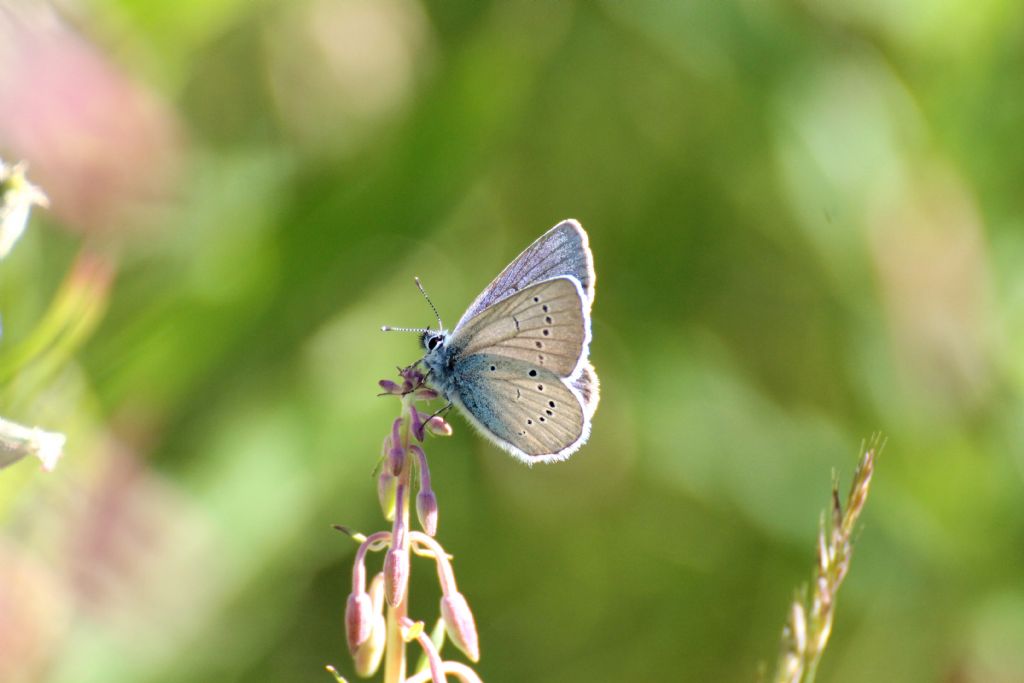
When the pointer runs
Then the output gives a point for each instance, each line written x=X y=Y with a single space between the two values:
x=17 y=197
x=17 y=442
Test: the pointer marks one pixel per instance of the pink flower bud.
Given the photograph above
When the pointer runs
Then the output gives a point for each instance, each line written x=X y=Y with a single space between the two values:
x=396 y=460
x=370 y=653
x=426 y=394
x=396 y=575
x=417 y=423
x=377 y=592
x=438 y=426
x=426 y=511
x=396 y=456
x=386 y=484
x=458 y=622
x=390 y=387
x=358 y=619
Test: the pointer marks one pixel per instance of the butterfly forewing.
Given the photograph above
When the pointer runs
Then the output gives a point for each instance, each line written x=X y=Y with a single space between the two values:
x=543 y=325
x=530 y=410
x=562 y=250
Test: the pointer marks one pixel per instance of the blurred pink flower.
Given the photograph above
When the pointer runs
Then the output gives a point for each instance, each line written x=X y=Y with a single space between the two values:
x=99 y=143
x=34 y=614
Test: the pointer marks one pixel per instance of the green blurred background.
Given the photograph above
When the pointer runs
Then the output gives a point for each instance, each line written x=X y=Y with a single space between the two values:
x=807 y=225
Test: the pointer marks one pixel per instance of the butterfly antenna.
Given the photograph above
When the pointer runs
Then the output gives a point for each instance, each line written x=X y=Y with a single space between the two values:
x=437 y=315
x=388 y=328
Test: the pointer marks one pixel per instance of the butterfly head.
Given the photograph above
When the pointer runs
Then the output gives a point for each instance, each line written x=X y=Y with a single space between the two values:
x=433 y=339
x=430 y=340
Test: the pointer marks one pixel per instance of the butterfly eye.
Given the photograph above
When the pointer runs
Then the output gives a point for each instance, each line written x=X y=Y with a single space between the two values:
x=431 y=341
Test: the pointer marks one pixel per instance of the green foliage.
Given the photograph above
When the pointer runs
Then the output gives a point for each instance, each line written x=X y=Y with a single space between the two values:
x=805 y=219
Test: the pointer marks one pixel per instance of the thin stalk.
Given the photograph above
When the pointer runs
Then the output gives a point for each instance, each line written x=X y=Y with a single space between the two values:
x=394 y=652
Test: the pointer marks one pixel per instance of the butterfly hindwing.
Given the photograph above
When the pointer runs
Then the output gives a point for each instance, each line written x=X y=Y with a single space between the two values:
x=562 y=250
x=545 y=325
x=588 y=389
x=527 y=409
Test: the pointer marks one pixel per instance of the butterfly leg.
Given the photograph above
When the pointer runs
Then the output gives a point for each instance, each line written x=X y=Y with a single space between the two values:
x=444 y=410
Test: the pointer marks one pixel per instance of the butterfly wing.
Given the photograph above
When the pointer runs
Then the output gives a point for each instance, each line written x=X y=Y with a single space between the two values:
x=588 y=389
x=529 y=411
x=562 y=250
x=546 y=324
x=521 y=372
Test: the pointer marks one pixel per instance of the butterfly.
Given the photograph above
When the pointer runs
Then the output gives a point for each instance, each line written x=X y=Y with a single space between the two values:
x=517 y=363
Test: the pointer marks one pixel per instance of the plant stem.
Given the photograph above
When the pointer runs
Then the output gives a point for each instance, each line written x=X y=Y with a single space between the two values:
x=812 y=670
x=394 y=654
x=394 y=651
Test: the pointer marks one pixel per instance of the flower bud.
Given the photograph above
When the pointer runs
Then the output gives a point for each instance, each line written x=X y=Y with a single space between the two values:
x=412 y=375
x=396 y=460
x=417 y=423
x=396 y=575
x=358 y=620
x=458 y=621
x=426 y=394
x=396 y=454
x=438 y=426
x=426 y=511
x=390 y=387
x=370 y=653
x=386 y=484
x=377 y=592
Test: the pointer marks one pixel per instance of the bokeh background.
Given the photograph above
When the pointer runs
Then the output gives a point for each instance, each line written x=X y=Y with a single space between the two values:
x=808 y=226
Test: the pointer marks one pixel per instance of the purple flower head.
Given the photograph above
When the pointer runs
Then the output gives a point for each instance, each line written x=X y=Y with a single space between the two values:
x=406 y=470
x=413 y=376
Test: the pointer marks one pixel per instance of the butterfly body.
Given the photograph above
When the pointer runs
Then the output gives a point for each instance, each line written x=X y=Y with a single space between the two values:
x=517 y=363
